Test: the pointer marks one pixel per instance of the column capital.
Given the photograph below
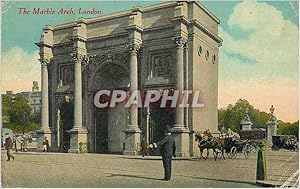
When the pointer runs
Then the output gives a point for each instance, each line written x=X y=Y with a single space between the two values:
x=133 y=48
x=44 y=61
x=78 y=57
x=82 y=58
x=180 y=42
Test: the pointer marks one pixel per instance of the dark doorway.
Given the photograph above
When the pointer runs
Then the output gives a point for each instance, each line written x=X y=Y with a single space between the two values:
x=159 y=119
x=101 y=130
x=67 y=121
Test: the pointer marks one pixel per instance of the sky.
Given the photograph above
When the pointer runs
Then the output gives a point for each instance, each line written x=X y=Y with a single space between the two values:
x=258 y=60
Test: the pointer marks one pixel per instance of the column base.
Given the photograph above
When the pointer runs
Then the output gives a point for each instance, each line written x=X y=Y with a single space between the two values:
x=181 y=136
x=132 y=140
x=78 y=140
x=179 y=128
x=41 y=134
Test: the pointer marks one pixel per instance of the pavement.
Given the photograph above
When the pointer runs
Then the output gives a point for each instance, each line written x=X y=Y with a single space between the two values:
x=53 y=170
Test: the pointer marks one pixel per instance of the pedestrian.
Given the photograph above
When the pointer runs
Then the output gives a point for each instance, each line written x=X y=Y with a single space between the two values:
x=144 y=146
x=168 y=148
x=9 y=146
x=45 y=145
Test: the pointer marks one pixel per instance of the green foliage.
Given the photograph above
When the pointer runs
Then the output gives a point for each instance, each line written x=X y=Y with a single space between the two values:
x=19 y=113
x=6 y=104
x=232 y=115
x=35 y=118
x=288 y=128
x=31 y=127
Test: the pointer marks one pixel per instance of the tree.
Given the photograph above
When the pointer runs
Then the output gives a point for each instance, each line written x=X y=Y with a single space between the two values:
x=6 y=104
x=19 y=113
x=288 y=128
x=232 y=115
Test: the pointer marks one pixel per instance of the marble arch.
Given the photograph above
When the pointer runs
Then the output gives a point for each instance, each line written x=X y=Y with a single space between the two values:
x=157 y=46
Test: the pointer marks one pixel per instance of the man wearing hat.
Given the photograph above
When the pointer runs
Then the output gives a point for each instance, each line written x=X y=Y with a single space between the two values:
x=167 y=145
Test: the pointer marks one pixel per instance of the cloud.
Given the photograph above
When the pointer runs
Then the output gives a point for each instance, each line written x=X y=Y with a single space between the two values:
x=18 y=69
x=263 y=66
x=271 y=39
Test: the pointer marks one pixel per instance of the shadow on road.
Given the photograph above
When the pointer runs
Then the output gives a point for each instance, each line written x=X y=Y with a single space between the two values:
x=131 y=176
x=220 y=180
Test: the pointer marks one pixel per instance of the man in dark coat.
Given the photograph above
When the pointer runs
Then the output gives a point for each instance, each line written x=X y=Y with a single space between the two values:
x=9 y=146
x=168 y=148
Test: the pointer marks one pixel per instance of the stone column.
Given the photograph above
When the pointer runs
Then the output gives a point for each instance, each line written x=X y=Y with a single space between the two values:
x=148 y=124
x=179 y=130
x=272 y=127
x=132 y=133
x=186 y=79
x=78 y=133
x=45 y=130
x=179 y=43
x=58 y=129
x=246 y=122
x=77 y=93
x=133 y=83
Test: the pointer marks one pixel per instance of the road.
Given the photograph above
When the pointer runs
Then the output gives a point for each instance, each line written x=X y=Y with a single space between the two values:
x=99 y=170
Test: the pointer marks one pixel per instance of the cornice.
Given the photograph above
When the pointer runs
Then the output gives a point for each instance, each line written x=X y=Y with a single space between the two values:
x=43 y=44
x=157 y=28
x=206 y=31
x=181 y=19
x=210 y=14
x=101 y=38
x=134 y=28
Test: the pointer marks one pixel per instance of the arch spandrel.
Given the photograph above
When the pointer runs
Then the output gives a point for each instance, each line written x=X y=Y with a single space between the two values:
x=110 y=70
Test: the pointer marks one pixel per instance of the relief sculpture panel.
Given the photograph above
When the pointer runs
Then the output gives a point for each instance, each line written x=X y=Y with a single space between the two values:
x=160 y=68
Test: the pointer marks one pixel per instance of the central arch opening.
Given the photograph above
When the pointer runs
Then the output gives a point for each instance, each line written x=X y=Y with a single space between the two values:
x=109 y=123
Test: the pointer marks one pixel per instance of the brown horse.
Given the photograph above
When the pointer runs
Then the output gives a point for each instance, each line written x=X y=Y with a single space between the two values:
x=207 y=141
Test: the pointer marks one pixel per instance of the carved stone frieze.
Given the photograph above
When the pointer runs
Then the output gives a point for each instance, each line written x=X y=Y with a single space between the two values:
x=109 y=57
x=160 y=69
x=66 y=74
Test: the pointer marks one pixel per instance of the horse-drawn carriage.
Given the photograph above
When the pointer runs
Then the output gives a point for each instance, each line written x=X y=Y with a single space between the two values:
x=288 y=142
x=234 y=146
x=230 y=144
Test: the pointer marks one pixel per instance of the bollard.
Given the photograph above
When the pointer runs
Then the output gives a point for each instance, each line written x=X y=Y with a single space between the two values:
x=261 y=170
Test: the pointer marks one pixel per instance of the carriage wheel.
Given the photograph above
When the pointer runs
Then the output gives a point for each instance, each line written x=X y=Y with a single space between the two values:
x=233 y=152
x=275 y=147
x=217 y=154
x=247 y=150
x=229 y=155
x=253 y=147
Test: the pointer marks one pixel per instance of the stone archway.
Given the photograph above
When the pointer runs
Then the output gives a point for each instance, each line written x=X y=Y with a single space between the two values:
x=66 y=111
x=109 y=123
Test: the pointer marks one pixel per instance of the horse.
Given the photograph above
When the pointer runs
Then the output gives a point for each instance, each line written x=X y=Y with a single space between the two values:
x=207 y=141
